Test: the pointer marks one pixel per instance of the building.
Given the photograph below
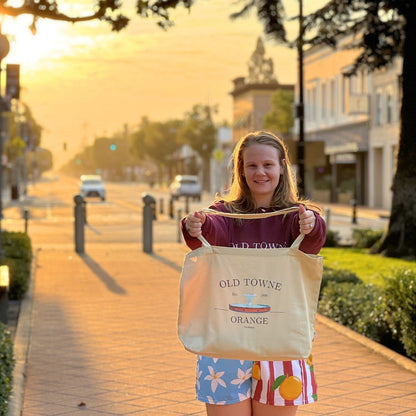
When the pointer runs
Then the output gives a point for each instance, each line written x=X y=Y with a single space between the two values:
x=356 y=116
x=252 y=94
x=384 y=134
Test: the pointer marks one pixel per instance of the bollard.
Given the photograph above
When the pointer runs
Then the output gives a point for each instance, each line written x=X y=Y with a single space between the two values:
x=4 y=293
x=354 y=211
x=26 y=218
x=327 y=217
x=179 y=237
x=161 y=206
x=79 y=212
x=84 y=208
x=187 y=205
x=148 y=216
x=171 y=208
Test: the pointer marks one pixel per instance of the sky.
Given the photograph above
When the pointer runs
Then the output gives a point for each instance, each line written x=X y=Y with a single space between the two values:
x=83 y=81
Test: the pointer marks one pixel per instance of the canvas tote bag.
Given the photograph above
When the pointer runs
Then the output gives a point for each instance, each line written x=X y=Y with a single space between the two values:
x=247 y=303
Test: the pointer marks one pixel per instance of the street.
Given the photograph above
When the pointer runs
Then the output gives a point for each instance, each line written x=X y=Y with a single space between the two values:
x=51 y=208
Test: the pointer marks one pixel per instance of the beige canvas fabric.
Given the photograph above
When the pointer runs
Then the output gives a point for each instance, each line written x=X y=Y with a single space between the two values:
x=251 y=304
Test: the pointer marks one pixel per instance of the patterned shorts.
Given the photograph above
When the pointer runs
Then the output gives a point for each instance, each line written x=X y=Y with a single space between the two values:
x=277 y=383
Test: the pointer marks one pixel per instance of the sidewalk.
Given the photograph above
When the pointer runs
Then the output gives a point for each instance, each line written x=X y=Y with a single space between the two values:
x=103 y=341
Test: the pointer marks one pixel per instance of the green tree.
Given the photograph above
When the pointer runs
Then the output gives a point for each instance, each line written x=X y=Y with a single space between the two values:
x=157 y=141
x=40 y=160
x=280 y=118
x=200 y=133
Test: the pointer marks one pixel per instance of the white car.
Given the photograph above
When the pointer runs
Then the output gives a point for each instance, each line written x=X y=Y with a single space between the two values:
x=92 y=186
x=186 y=185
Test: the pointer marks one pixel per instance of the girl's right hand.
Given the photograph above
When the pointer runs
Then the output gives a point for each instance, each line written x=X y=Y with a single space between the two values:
x=194 y=222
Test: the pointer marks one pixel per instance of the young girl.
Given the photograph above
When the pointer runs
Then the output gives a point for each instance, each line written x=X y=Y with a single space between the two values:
x=262 y=182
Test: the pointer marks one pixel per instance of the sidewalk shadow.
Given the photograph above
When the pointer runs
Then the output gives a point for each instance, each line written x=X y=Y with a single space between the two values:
x=106 y=278
x=166 y=261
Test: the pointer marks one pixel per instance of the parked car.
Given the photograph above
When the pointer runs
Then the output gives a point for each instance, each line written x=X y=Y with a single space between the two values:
x=92 y=186
x=187 y=186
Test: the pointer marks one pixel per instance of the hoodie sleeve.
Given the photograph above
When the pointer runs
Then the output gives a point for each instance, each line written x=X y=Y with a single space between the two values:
x=215 y=229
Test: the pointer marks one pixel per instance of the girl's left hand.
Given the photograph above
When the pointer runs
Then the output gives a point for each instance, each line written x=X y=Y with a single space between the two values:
x=306 y=220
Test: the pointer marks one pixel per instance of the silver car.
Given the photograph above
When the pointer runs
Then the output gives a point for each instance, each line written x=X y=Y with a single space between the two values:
x=92 y=186
x=187 y=186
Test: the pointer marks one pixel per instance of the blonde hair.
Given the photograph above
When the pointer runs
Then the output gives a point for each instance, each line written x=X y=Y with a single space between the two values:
x=285 y=195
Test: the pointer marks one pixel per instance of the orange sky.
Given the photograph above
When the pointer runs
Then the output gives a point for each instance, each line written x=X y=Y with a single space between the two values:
x=82 y=81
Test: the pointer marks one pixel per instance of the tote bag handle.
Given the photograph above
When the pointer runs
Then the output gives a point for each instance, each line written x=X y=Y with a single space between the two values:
x=295 y=244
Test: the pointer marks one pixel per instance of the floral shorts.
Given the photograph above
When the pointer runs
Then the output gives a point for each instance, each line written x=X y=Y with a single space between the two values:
x=277 y=383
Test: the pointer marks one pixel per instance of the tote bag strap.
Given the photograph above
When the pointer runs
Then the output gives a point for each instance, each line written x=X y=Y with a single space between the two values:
x=295 y=244
x=258 y=215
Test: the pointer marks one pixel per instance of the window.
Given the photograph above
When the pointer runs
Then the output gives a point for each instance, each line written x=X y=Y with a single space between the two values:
x=313 y=104
x=379 y=108
x=323 y=100
x=389 y=106
x=344 y=90
x=332 y=98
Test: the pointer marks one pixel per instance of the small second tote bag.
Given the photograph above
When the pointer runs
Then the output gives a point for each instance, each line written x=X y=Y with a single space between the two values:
x=249 y=304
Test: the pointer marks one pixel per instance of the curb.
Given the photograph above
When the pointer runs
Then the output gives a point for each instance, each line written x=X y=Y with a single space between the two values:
x=391 y=355
x=21 y=347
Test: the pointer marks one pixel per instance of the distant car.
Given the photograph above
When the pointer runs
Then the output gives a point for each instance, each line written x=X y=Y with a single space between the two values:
x=92 y=186
x=187 y=186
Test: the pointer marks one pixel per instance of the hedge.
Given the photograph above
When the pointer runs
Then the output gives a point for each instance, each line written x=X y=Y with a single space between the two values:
x=17 y=250
x=400 y=302
x=6 y=368
x=385 y=314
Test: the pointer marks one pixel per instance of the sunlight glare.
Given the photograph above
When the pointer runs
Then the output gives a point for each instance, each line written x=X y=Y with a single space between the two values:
x=27 y=49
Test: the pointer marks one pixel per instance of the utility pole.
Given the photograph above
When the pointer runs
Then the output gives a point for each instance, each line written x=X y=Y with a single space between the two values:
x=300 y=113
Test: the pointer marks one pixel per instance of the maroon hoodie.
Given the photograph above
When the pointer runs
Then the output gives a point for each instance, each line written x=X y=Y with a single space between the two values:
x=273 y=232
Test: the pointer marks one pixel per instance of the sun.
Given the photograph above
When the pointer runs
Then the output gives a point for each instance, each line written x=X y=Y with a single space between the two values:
x=29 y=50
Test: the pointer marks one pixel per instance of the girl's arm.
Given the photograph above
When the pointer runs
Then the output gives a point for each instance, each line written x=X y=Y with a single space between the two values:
x=312 y=225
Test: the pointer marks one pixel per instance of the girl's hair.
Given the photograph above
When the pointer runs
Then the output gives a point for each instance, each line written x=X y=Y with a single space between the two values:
x=285 y=195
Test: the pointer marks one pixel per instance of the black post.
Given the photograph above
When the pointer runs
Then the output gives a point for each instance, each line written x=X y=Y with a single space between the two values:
x=148 y=215
x=300 y=108
x=79 y=223
x=171 y=208
x=354 y=211
x=26 y=218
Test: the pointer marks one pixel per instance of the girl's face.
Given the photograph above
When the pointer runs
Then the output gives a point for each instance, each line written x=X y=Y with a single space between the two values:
x=262 y=169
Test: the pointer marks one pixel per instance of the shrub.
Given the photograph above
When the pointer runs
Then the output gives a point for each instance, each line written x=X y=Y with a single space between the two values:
x=357 y=306
x=17 y=250
x=400 y=304
x=338 y=276
x=366 y=237
x=6 y=368
x=332 y=238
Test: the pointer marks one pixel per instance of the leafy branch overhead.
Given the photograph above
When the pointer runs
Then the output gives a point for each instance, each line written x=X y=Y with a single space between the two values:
x=104 y=10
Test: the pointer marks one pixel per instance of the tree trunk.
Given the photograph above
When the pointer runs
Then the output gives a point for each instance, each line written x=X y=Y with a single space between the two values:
x=400 y=239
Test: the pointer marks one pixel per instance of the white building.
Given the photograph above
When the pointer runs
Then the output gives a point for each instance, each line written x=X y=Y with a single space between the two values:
x=357 y=117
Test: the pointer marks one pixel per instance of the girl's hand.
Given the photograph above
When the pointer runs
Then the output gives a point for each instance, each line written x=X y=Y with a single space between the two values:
x=306 y=220
x=194 y=222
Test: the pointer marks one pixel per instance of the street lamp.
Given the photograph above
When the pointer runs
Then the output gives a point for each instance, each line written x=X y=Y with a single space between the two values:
x=300 y=110
x=4 y=50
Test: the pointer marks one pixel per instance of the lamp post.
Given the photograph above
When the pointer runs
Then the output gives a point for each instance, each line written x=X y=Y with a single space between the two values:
x=4 y=50
x=301 y=108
